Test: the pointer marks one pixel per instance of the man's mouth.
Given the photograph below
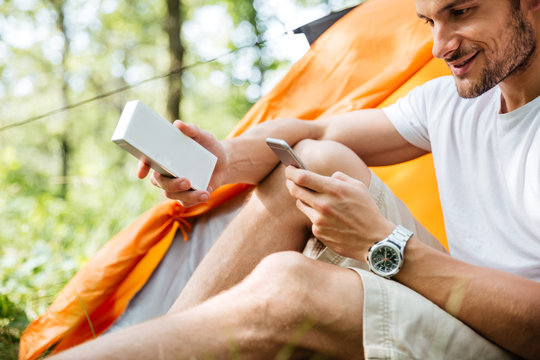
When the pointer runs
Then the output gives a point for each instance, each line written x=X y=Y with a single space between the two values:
x=462 y=65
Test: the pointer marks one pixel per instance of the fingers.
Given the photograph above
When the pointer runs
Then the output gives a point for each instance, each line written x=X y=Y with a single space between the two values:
x=348 y=179
x=193 y=131
x=179 y=189
x=142 y=169
x=189 y=198
x=178 y=124
x=323 y=194
x=188 y=129
x=312 y=214
x=203 y=137
x=333 y=185
x=341 y=176
x=306 y=196
x=173 y=185
x=307 y=179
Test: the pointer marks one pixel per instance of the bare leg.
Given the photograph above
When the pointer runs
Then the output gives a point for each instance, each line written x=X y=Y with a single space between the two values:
x=269 y=222
x=263 y=226
x=287 y=300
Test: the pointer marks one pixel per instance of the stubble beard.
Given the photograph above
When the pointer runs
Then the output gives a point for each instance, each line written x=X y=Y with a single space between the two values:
x=514 y=58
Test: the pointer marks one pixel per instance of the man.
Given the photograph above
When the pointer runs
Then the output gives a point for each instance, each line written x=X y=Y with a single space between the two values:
x=250 y=297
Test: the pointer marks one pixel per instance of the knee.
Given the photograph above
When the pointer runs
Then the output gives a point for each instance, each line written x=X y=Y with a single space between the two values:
x=326 y=157
x=292 y=290
x=270 y=297
x=281 y=273
x=292 y=295
x=280 y=285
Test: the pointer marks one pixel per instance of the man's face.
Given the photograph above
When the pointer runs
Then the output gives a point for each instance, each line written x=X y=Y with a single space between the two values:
x=482 y=41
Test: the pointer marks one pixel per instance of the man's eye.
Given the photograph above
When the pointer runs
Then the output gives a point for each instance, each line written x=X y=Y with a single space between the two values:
x=428 y=22
x=460 y=12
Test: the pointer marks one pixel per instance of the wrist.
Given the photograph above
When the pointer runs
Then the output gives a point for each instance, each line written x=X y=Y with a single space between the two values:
x=384 y=230
x=226 y=174
x=386 y=257
x=380 y=232
x=415 y=253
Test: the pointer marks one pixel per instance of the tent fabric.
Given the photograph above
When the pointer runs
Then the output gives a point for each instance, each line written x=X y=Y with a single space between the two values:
x=314 y=29
x=374 y=54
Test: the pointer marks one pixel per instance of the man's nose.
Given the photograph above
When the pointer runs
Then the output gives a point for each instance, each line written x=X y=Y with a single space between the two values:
x=445 y=41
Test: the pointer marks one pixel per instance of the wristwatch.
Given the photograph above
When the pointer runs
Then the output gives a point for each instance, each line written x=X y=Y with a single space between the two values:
x=385 y=257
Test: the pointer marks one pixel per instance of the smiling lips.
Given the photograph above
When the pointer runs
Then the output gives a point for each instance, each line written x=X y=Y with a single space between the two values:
x=462 y=65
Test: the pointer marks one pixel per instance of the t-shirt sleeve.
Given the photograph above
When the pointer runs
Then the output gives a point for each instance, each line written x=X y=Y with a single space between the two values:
x=410 y=114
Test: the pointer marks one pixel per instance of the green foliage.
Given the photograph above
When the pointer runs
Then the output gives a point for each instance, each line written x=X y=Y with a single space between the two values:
x=48 y=238
x=13 y=321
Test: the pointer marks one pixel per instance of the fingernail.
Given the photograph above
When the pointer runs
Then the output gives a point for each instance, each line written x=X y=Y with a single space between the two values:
x=204 y=197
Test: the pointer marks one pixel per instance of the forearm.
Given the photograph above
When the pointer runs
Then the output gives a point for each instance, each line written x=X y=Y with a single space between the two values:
x=500 y=306
x=369 y=133
x=250 y=159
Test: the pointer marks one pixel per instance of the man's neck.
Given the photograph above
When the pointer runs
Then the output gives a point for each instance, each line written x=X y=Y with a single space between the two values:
x=524 y=86
x=520 y=88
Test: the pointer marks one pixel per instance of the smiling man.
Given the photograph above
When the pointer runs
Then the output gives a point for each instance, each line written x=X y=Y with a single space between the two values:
x=480 y=54
x=482 y=126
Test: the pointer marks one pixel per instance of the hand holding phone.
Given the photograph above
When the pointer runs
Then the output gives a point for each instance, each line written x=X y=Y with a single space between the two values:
x=285 y=153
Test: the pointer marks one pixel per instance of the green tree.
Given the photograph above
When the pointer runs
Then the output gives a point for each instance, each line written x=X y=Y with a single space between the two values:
x=173 y=28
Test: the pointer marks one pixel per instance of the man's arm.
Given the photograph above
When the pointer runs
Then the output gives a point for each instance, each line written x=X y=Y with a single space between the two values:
x=247 y=158
x=372 y=136
x=500 y=306
x=369 y=133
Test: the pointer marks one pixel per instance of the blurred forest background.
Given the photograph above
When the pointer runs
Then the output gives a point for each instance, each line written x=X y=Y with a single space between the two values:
x=65 y=188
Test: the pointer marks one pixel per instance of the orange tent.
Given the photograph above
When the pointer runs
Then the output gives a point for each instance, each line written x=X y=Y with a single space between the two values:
x=373 y=55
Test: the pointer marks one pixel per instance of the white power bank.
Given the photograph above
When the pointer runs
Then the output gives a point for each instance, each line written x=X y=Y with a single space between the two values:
x=151 y=138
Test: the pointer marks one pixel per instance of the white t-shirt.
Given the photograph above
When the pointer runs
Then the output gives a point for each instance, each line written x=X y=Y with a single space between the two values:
x=488 y=172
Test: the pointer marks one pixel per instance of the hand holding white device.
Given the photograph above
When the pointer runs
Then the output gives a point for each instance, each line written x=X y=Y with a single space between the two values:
x=154 y=140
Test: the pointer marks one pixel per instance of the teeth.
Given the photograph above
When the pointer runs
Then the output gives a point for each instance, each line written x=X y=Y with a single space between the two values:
x=461 y=63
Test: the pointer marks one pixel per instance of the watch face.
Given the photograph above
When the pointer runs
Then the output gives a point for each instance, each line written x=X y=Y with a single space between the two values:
x=385 y=259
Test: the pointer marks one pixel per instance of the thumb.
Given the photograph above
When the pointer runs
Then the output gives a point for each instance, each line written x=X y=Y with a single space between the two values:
x=190 y=130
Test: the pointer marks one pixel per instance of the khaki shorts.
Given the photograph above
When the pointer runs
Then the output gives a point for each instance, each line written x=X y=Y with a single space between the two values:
x=398 y=322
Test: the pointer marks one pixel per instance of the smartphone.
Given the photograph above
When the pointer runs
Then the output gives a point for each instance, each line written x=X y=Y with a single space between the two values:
x=285 y=153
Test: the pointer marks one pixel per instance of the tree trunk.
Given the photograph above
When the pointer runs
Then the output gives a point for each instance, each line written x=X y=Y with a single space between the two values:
x=173 y=27
x=65 y=148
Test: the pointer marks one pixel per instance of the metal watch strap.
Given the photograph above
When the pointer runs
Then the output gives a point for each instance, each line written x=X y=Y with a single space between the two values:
x=399 y=237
